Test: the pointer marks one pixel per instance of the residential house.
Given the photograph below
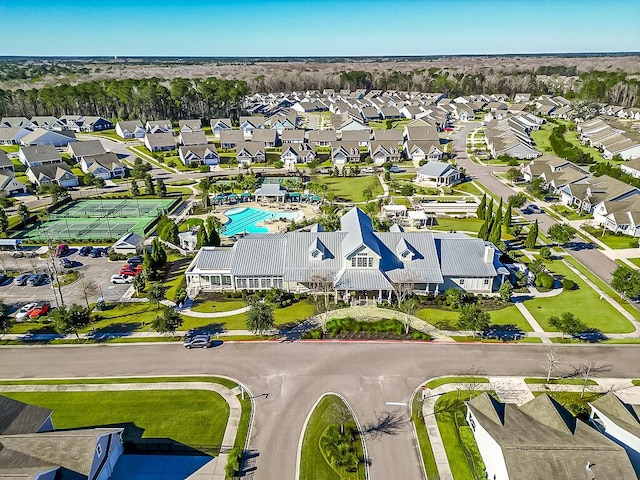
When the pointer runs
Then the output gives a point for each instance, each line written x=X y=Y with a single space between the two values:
x=15 y=122
x=249 y=124
x=159 y=142
x=438 y=174
x=192 y=137
x=9 y=185
x=281 y=122
x=267 y=136
x=322 y=138
x=418 y=151
x=620 y=422
x=384 y=151
x=12 y=135
x=39 y=155
x=230 y=138
x=31 y=449
x=593 y=194
x=361 y=137
x=541 y=440
x=40 y=136
x=353 y=259
x=189 y=125
x=297 y=153
x=343 y=152
x=95 y=124
x=292 y=136
x=220 y=124
x=6 y=163
x=105 y=166
x=58 y=173
x=631 y=167
x=87 y=148
x=392 y=135
x=130 y=129
x=248 y=153
x=199 y=155
x=129 y=244
x=46 y=123
x=159 y=126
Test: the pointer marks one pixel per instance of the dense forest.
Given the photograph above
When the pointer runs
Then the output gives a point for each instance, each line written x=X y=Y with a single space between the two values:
x=124 y=99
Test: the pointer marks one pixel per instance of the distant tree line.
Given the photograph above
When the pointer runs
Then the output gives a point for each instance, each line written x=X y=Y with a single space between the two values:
x=149 y=98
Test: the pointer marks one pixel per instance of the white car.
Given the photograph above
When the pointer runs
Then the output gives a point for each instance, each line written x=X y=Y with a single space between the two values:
x=121 y=278
x=22 y=313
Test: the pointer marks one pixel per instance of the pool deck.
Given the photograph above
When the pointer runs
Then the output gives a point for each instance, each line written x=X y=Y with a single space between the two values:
x=303 y=210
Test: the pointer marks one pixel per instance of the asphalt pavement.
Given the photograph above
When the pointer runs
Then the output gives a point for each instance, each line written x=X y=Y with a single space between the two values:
x=287 y=378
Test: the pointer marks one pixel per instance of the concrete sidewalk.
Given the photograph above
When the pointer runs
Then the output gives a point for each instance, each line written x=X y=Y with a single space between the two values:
x=213 y=470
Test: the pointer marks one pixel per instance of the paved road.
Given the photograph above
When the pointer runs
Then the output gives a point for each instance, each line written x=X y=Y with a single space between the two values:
x=592 y=258
x=287 y=378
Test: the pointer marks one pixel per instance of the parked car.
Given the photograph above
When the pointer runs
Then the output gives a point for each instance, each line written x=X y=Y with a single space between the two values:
x=395 y=169
x=368 y=170
x=131 y=271
x=36 y=279
x=198 y=341
x=85 y=251
x=137 y=260
x=119 y=278
x=96 y=252
x=3 y=278
x=104 y=251
x=66 y=263
x=61 y=250
x=41 y=308
x=24 y=310
x=21 y=280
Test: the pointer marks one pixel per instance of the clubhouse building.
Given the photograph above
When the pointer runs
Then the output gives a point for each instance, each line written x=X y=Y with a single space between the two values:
x=354 y=259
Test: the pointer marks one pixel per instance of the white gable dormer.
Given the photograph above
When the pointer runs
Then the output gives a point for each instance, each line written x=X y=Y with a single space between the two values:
x=404 y=250
x=317 y=250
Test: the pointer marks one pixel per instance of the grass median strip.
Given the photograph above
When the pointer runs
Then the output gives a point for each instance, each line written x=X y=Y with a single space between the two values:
x=558 y=381
x=428 y=459
x=455 y=379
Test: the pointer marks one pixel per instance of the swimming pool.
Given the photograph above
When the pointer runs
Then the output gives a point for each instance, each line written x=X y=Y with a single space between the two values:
x=245 y=219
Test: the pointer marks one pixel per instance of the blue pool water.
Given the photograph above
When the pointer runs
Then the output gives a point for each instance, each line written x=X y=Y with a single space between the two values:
x=245 y=219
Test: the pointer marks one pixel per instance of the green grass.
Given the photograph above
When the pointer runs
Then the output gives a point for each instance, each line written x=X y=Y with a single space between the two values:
x=469 y=338
x=294 y=313
x=611 y=240
x=313 y=465
x=636 y=382
x=572 y=401
x=635 y=261
x=191 y=417
x=558 y=381
x=468 y=187
x=435 y=316
x=10 y=148
x=462 y=452
x=510 y=316
x=455 y=379
x=351 y=188
x=471 y=224
x=570 y=213
x=448 y=319
x=583 y=302
x=426 y=451
x=217 y=304
x=175 y=276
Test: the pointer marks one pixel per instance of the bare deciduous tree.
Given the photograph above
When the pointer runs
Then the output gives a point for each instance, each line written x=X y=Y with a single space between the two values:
x=321 y=286
x=553 y=358
x=88 y=288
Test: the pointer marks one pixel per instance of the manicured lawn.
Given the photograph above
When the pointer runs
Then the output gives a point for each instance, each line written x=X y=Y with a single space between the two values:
x=572 y=401
x=558 y=381
x=612 y=241
x=458 y=224
x=469 y=338
x=10 y=148
x=570 y=213
x=541 y=137
x=426 y=451
x=468 y=187
x=351 y=188
x=217 y=303
x=174 y=278
x=190 y=223
x=510 y=316
x=636 y=383
x=438 y=317
x=448 y=319
x=635 y=261
x=462 y=451
x=294 y=313
x=462 y=379
x=191 y=417
x=313 y=465
x=583 y=302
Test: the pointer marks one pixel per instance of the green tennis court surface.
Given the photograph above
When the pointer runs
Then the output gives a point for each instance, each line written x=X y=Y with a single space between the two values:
x=91 y=220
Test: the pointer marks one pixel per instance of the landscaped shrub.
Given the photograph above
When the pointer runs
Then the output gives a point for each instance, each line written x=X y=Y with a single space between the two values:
x=340 y=449
x=568 y=284
x=116 y=257
x=544 y=280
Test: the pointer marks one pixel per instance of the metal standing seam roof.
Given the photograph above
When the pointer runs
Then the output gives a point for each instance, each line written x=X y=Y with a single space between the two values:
x=212 y=259
x=261 y=255
x=464 y=258
x=359 y=232
x=436 y=169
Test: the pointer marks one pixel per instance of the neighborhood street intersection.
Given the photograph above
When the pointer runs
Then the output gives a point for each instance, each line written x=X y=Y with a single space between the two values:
x=287 y=378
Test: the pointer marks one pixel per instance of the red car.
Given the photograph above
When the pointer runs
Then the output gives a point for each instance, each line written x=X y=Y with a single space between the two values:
x=41 y=308
x=131 y=271
x=448 y=129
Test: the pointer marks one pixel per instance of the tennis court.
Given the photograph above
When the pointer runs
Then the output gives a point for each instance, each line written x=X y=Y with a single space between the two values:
x=99 y=220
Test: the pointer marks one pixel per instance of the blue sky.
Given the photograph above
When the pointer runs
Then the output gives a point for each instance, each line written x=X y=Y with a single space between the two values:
x=316 y=27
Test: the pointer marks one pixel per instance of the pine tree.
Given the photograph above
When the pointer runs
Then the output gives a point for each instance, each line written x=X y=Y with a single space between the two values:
x=202 y=238
x=480 y=212
x=489 y=213
x=485 y=229
x=496 y=231
x=532 y=236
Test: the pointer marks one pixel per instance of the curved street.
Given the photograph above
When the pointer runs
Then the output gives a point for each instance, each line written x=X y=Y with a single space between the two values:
x=287 y=378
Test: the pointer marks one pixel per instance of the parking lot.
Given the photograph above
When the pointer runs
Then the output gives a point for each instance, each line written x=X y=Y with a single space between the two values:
x=98 y=270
